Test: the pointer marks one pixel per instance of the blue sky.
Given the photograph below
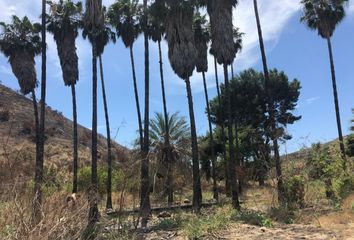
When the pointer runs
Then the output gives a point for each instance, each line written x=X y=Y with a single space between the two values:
x=291 y=47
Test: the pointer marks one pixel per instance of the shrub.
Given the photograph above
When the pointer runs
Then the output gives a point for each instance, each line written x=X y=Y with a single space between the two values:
x=84 y=179
x=4 y=115
x=342 y=186
x=294 y=192
x=350 y=145
x=254 y=218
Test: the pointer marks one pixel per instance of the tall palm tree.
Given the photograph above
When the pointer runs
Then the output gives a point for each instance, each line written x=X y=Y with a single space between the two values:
x=323 y=16
x=182 y=55
x=270 y=108
x=20 y=41
x=105 y=36
x=94 y=23
x=179 y=135
x=222 y=127
x=144 y=170
x=64 y=21
x=156 y=29
x=220 y=12
x=202 y=38
x=124 y=17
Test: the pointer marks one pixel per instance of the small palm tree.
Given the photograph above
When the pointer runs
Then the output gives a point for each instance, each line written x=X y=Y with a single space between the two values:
x=323 y=16
x=93 y=22
x=179 y=135
x=223 y=45
x=105 y=36
x=64 y=21
x=202 y=38
x=182 y=55
x=20 y=42
x=124 y=17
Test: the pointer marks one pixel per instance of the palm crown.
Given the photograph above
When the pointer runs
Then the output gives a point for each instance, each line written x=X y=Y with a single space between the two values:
x=20 y=42
x=323 y=15
x=20 y=35
x=124 y=17
x=105 y=36
x=201 y=38
x=157 y=13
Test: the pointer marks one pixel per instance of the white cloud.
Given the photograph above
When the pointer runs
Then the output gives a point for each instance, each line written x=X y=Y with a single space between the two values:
x=312 y=100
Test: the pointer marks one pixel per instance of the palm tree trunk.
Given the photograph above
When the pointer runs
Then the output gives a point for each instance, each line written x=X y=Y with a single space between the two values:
x=93 y=195
x=238 y=156
x=141 y=138
x=232 y=162
x=232 y=70
x=336 y=102
x=36 y=118
x=197 y=191
x=223 y=138
x=270 y=106
x=109 y=145
x=75 y=139
x=211 y=138
x=145 y=183
x=38 y=179
x=167 y=132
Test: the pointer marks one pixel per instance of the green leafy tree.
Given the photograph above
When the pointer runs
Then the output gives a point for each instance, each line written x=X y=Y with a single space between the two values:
x=182 y=55
x=323 y=16
x=64 y=21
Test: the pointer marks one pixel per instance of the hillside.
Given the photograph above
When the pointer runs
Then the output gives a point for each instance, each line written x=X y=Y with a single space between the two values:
x=17 y=146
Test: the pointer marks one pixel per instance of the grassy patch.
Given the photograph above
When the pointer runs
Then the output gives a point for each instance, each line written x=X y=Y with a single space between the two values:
x=254 y=218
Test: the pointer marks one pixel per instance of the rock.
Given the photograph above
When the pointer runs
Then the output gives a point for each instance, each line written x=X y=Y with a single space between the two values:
x=164 y=214
x=186 y=201
x=263 y=229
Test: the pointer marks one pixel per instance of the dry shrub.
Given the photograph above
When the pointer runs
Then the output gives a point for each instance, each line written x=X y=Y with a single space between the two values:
x=28 y=127
x=60 y=220
x=4 y=115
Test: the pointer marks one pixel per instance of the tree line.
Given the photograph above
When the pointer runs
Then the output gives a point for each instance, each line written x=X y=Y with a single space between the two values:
x=258 y=103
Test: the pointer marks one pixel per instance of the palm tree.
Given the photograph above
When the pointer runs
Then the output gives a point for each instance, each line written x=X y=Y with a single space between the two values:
x=124 y=17
x=105 y=36
x=270 y=108
x=222 y=128
x=144 y=170
x=323 y=16
x=20 y=42
x=93 y=23
x=179 y=135
x=202 y=38
x=182 y=55
x=156 y=29
x=220 y=12
x=64 y=21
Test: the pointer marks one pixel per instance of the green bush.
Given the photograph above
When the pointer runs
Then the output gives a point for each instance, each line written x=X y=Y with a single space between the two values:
x=350 y=145
x=294 y=192
x=84 y=179
x=342 y=186
x=254 y=218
